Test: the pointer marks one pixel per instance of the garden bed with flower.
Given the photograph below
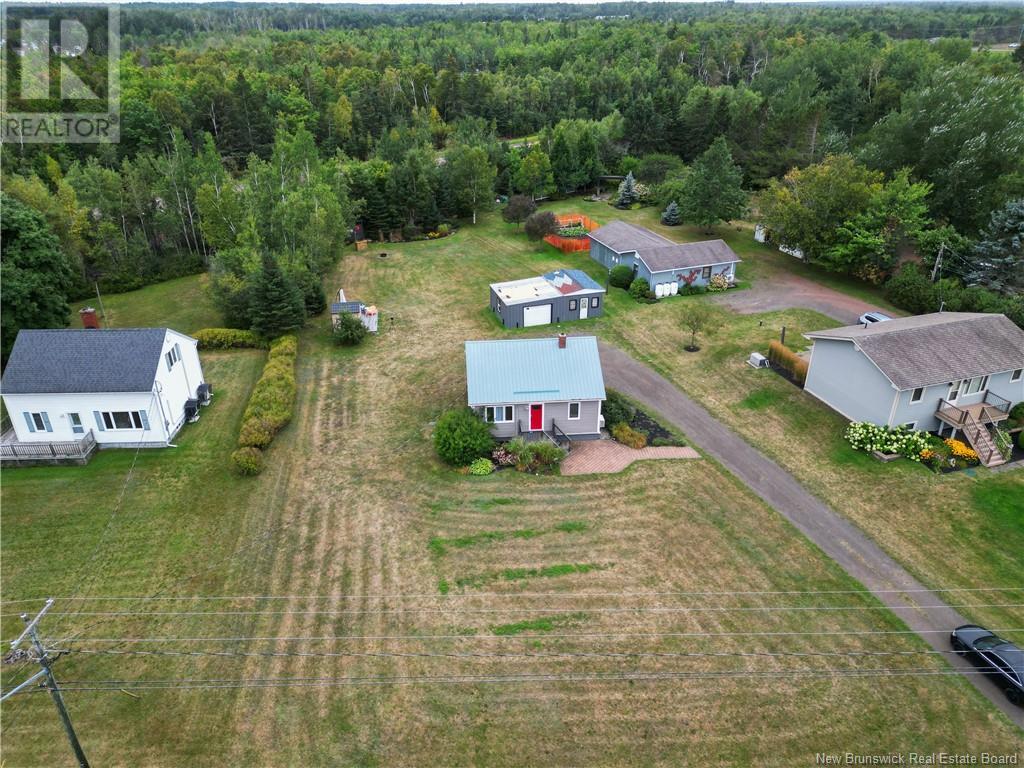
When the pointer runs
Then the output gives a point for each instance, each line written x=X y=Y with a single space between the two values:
x=891 y=443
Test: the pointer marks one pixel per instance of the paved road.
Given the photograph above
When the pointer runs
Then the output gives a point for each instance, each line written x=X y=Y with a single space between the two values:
x=858 y=555
x=786 y=290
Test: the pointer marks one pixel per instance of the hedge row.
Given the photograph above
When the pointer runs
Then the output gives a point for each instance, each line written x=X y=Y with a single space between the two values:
x=270 y=407
x=228 y=338
x=784 y=357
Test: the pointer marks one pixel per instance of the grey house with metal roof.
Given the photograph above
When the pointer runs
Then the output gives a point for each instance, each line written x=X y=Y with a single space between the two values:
x=555 y=297
x=119 y=387
x=666 y=265
x=551 y=386
x=950 y=372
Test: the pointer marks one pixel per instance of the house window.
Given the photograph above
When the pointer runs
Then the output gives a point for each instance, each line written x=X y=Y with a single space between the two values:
x=173 y=355
x=911 y=425
x=498 y=414
x=917 y=394
x=572 y=305
x=975 y=385
x=574 y=411
x=954 y=391
x=122 y=419
x=596 y=302
x=38 y=422
x=76 y=423
x=1015 y=376
x=706 y=273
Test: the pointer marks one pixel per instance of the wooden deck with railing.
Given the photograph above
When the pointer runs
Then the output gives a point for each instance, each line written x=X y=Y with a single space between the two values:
x=15 y=452
x=974 y=420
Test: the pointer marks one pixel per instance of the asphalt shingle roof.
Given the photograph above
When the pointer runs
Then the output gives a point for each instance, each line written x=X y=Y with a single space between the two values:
x=66 y=361
x=533 y=370
x=687 y=255
x=937 y=348
x=623 y=237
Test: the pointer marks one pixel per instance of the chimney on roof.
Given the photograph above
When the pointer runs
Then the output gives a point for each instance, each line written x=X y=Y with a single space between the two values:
x=89 y=318
x=561 y=340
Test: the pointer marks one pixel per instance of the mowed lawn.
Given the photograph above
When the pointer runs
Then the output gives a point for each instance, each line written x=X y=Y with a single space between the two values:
x=360 y=556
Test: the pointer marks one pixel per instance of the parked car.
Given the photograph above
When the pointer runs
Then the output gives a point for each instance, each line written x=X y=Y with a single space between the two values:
x=1000 y=660
x=872 y=317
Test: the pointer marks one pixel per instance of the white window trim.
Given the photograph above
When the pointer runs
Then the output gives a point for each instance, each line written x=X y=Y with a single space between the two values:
x=506 y=410
x=954 y=391
x=911 y=425
x=109 y=426
x=579 y=411
x=79 y=428
x=595 y=302
x=919 y=397
x=1016 y=375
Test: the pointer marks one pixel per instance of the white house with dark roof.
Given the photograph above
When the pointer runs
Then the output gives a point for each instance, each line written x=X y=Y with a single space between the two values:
x=550 y=386
x=122 y=387
x=666 y=265
x=947 y=372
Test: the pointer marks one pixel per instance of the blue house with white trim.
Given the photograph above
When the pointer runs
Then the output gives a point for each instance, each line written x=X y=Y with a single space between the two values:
x=552 y=385
x=667 y=266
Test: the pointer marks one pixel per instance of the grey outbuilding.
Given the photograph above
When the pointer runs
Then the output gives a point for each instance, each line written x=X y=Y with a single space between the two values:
x=555 y=297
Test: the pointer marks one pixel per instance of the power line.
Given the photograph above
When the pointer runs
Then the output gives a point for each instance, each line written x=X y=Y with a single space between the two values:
x=450 y=595
x=117 y=686
x=602 y=609
x=523 y=636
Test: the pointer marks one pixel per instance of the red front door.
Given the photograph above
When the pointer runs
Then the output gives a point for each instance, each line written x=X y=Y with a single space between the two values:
x=537 y=416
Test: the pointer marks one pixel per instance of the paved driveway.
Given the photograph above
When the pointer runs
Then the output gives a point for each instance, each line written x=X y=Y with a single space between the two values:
x=784 y=290
x=923 y=611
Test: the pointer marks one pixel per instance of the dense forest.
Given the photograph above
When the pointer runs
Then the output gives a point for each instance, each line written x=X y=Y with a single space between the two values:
x=251 y=131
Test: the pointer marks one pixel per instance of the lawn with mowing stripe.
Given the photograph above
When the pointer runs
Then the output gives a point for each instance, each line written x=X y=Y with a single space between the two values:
x=339 y=527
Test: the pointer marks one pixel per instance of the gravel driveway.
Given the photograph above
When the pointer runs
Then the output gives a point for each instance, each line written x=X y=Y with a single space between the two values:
x=787 y=291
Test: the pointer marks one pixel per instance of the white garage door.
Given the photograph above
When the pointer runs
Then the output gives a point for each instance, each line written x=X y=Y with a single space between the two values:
x=539 y=315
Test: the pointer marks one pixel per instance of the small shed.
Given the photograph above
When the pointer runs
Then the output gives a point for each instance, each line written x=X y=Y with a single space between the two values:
x=555 y=297
x=367 y=314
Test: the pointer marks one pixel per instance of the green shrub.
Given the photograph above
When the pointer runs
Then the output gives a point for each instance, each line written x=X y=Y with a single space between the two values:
x=349 y=330
x=248 y=460
x=1017 y=413
x=640 y=289
x=626 y=435
x=545 y=456
x=462 y=436
x=228 y=338
x=786 y=358
x=621 y=276
x=692 y=290
x=616 y=410
x=272 y=401
x=1020 y=439
x=912 y=290
x=481 y=466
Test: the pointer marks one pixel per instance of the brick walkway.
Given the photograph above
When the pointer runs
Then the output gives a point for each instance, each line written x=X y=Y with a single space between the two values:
x=589 y=457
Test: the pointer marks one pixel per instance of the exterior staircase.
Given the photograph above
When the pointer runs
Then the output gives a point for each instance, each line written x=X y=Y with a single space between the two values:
x=973 y=422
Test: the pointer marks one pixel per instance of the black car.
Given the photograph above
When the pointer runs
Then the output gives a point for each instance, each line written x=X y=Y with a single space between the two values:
x=1002 y=661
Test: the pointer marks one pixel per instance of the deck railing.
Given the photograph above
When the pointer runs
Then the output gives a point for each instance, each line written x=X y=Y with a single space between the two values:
x=951 y=413
x=65 y=449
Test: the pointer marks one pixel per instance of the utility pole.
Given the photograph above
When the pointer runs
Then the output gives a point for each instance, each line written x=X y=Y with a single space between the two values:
x=103 y=313
x=31 y=626
x=938 y=262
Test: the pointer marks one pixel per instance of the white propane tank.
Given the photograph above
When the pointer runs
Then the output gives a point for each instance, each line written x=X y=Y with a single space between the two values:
x=659 y=290
x=673 y=288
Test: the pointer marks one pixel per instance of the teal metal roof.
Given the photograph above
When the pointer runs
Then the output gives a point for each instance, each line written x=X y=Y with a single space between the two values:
x=533 y=370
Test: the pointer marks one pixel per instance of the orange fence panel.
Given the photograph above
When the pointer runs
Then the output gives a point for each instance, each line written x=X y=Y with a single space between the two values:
x=572 y=244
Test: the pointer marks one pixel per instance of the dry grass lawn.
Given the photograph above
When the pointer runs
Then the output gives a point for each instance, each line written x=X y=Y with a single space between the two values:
x=340 y=529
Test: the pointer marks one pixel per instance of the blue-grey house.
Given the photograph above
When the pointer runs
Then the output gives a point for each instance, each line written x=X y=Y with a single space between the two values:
x=552 y=385
x=565 y=294
x=667 y=266
x=947 y=372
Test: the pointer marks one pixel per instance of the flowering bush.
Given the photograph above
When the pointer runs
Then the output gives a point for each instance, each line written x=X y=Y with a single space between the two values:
x=503 y=457
x=718 y=283
x=868 y=437
x=960 y=450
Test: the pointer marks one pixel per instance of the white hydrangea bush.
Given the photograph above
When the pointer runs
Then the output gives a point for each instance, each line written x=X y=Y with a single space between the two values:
x=865 y=436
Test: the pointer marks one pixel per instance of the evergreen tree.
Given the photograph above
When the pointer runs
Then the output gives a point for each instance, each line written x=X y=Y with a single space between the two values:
x=588 y=160
x=998 y=259
x=627 y=192
x=671 y=216
x=534 y=175
x=713 y=190
x=276 y=302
